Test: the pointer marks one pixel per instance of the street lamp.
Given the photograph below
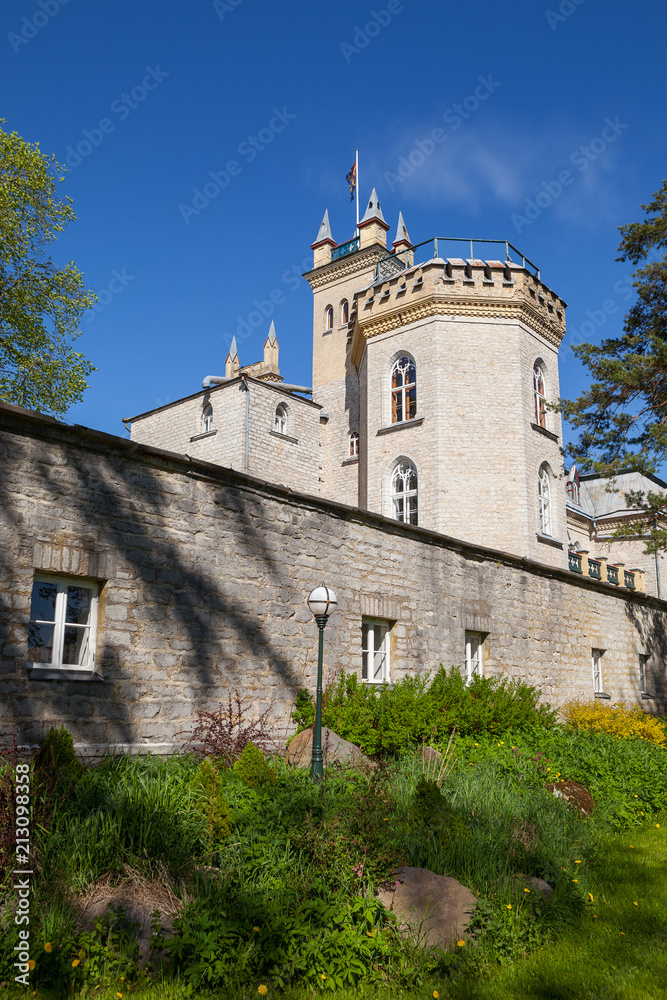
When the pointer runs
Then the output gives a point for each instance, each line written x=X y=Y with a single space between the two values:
x=321 y=602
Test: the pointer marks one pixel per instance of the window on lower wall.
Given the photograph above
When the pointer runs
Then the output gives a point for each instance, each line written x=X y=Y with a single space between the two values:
x=375 y=651
x=596 y=657
x=643 y=660
x=63 y=622
x=474 y=646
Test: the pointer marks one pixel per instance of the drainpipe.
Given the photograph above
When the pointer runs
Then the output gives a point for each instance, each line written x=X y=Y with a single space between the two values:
x=657 y=564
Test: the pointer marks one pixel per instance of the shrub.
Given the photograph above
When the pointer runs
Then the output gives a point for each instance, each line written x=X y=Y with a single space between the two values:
x=253 y=769
x=207 y=788
x=225 y=733
x=304 y=709
x=620 y=721
x=384 y=720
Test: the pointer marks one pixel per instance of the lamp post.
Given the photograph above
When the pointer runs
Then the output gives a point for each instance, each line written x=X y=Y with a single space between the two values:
x=321 y=602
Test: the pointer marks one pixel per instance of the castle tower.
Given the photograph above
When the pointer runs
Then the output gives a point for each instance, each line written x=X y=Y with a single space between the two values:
x=445 y=368
x=339 y=271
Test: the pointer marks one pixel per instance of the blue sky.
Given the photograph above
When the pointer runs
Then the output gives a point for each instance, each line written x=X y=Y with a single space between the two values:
x=273 y=99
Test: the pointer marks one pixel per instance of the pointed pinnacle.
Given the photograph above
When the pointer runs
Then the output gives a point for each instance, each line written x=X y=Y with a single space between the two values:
x=373 y=211
x=325 y=229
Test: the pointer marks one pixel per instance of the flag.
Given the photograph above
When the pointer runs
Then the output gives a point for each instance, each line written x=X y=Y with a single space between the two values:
x=352 y=180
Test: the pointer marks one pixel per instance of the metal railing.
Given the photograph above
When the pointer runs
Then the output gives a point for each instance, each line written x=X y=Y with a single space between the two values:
x=612 y=575
x=594 y=569
x=629 y=580
x=574 y=562
x=345 y=248
x=421 y=252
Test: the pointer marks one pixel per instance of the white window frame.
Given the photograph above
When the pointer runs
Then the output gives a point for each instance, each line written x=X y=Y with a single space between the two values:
x=544 y=501
x=56 y=665
x=399 y=393
x=353 y=449
x=280 y=419
x=369 y=628
x=643 y=662
x=402 y=470
x=474 y=642
x=596 y=666
x=207 y=419
x=540 y=395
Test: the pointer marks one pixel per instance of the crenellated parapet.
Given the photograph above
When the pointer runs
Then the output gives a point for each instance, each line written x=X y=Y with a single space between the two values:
x=455 y=287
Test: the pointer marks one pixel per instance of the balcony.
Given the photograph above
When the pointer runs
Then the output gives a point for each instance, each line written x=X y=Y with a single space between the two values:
x=599 y=569
x=594 y=569
x=612 y=575
x=574 y=562
x=629 y=580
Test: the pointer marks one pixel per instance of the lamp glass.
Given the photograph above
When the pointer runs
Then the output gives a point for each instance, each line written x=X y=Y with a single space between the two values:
x=322 y=601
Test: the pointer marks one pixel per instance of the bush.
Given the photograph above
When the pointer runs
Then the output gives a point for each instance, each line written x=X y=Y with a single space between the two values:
x=253 y=769
x=388 y=720
x=225 y=733
x=207 y=788
x=619 y=721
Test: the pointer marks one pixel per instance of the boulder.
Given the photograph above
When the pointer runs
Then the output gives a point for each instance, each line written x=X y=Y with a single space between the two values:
x=574 y=794
x=334 y=747
x=138 y=914
x=434 y=909
x=534 y=884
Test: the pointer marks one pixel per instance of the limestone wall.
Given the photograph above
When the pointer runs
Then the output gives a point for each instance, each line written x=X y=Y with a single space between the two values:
x=205 y=575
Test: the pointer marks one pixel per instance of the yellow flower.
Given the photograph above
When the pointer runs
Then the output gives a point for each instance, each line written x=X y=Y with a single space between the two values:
x=657 y=826
x=255 y=929
x=623 y=933
x=460 y=944
x=475 y=744
x=31 y=964
x=577 y=862
x=595 y=916
x=122 y=978
x=81 y=953
x=575 y=879
x=635 y=904
x=435 y=994
x=322 y=976
x=526 y=890
x=636 y=796
x=262 y=990
x=508 y=906
x=632 y=847
x=590 y=896
x=75 y=962
x=48 y=946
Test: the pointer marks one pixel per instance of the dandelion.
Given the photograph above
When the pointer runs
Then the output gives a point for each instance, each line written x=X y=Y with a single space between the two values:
x=81 y=953
x=632 y=847
x=262 y=990
x=526 y=890
x=575 y=879
x=435 y=995
x=595 y=916
x=590 y=896
x=577 y=862
x=255 y=929
x=636 y=796
x=475 y=744
x=48 y=946
x=75 y=962
x=508 y=906
x=31 y=964
x=122 y=978
x=641 y=812
x=635 y=904
x=460 y=944
x=322 y=976
x=622 y=933
x=657 y=826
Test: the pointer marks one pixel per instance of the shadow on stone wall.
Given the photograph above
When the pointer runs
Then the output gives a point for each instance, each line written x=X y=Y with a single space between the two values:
x=114 y=503
x=651 y=630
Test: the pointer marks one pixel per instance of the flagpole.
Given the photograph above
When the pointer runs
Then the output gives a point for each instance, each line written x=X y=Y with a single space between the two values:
x=356 y=170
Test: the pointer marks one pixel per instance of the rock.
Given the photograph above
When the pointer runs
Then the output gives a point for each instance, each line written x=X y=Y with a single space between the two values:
x=138 y=913
x=334 y=747
x=535 y=885
x=435 y=908
x=575 y=794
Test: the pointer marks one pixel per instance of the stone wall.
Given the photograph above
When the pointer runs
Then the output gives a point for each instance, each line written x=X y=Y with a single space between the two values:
x=205 y=574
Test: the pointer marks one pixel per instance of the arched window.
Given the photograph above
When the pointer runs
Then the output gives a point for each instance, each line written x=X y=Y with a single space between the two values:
x=207 y=419
x=353 y=443
x=344 y=313
x=328 y=318
x=404 y=493
x=540 y=395
x=544 y=500
x=403 y=390
x=573 y=491
x=280 y=419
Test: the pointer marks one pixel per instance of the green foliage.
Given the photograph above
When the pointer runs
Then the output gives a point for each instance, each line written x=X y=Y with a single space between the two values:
x=207 y=788
x=56 y=756
x=253 y=769
x=388 y=720
x=304 y=709
x=40 y=302
x=621 y=415
x=431 y=813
